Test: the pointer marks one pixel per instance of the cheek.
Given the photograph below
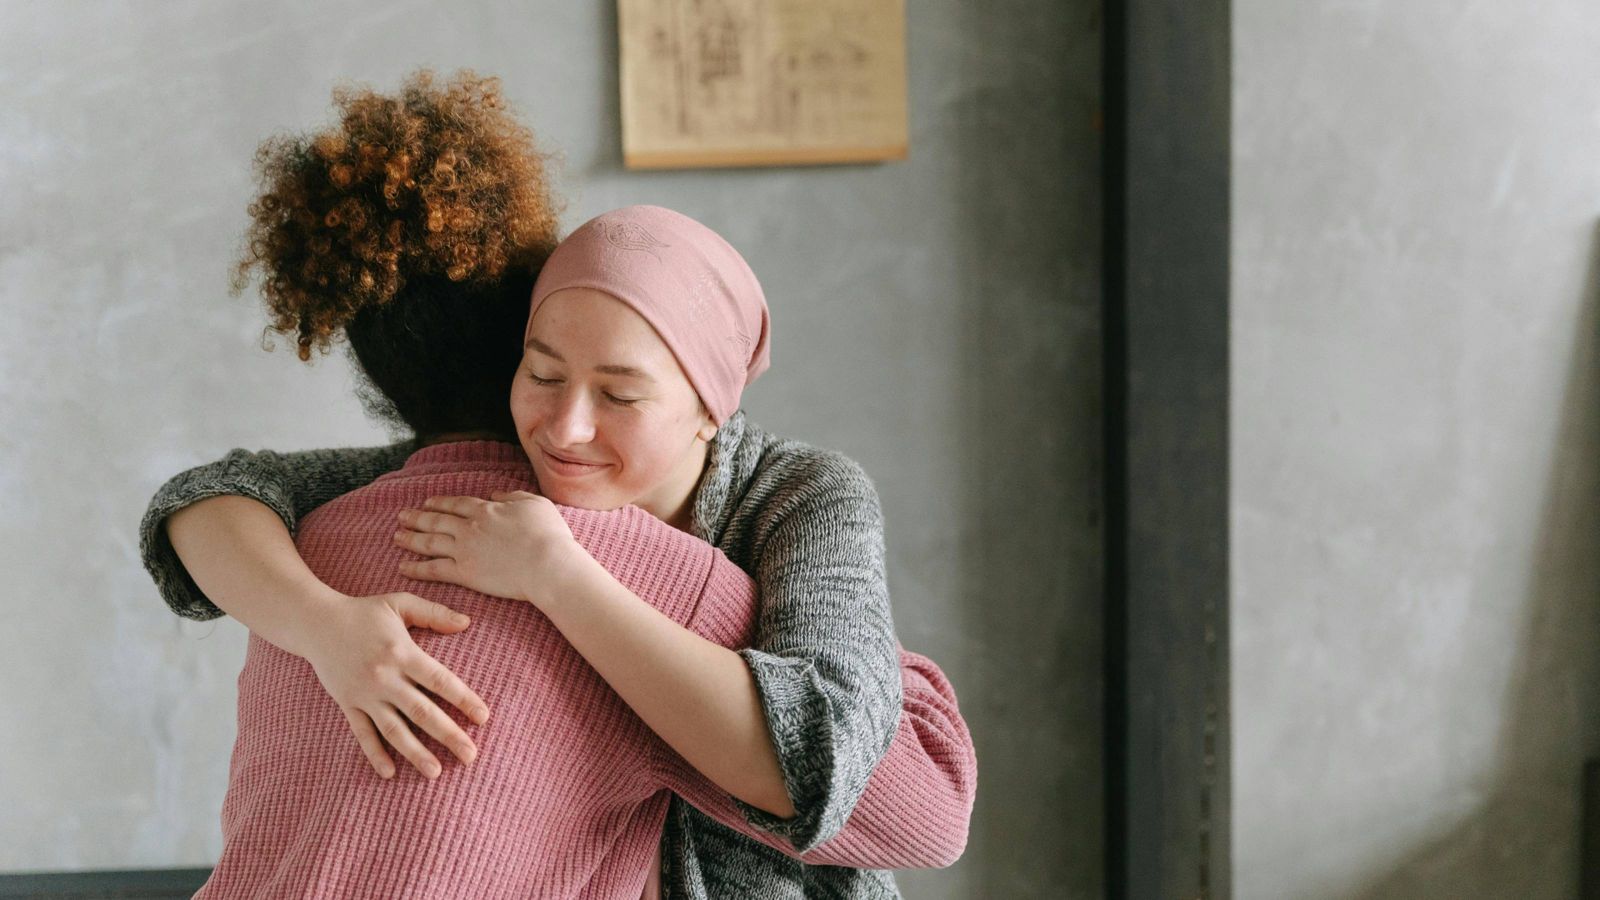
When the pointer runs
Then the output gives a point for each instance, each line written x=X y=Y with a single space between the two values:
x=655 y=447
x=524 y=405
x=625 y=444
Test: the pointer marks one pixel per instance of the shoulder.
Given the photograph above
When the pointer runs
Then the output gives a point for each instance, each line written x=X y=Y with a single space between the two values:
x=793 y=481
x=797 y=467
x=391 y=455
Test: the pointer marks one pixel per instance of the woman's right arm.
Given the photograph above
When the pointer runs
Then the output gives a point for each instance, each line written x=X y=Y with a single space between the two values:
x=217 y=539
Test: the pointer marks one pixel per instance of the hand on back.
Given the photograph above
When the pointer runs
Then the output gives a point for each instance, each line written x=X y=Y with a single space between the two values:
x=368 y=663
x=514 y=545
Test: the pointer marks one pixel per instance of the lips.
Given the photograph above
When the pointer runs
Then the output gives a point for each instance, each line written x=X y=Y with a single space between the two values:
x=563 y=466
x=568 y=459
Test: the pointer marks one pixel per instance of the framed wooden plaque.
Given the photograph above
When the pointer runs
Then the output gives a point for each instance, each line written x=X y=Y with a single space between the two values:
x=761 y=82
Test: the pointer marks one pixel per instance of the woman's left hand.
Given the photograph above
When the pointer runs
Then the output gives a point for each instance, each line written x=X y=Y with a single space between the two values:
x=514 y=545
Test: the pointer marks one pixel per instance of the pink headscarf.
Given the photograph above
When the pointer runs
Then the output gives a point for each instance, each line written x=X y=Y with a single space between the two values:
x=693 y=288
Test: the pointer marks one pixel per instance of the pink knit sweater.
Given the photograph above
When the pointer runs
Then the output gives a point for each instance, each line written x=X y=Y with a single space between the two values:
x=568 y=794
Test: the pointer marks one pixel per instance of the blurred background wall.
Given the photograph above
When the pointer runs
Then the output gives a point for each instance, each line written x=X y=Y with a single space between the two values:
x=1416 y=418
x=1416 y=443
x=936 y=319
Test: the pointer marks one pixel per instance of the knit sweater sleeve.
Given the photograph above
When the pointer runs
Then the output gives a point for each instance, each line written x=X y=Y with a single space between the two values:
x=292 y=484
x=917 y=806
x=824 y=662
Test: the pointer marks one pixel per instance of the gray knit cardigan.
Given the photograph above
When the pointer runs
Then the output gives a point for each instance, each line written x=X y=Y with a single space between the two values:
x=806 y=524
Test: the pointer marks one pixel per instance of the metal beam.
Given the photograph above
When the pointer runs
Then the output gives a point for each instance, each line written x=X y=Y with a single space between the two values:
x=1166 y=382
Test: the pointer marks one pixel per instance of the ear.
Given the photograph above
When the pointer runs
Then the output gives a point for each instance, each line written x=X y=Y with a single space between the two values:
x=708 y=426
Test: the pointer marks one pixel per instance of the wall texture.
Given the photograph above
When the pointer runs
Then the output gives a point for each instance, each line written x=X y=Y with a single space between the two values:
x=1416 y=545
x=937 y=319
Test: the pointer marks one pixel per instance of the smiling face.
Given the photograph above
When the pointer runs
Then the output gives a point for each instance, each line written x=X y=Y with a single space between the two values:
x=604 y=411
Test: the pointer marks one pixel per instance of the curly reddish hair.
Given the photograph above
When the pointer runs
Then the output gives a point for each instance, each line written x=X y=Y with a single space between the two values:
x=437 y=184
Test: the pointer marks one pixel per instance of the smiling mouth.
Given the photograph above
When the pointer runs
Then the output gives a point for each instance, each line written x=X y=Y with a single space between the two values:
x=569 y=467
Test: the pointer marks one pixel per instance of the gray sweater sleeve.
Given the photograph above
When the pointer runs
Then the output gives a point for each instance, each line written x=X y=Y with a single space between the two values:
x=826 y=661
x=292 y=484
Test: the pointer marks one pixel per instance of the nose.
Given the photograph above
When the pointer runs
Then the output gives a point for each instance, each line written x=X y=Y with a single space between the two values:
x=572 y=423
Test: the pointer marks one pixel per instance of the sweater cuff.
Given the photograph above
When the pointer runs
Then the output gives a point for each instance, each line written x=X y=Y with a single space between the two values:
x=173 y=581
x=800 y=720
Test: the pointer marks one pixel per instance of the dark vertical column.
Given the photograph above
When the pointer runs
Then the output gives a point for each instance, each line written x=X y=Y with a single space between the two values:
x=1166 y=332
x=1589 y=835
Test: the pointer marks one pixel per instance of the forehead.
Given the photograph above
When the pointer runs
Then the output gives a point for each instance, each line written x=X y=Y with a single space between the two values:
x=534 y=345
x=592 y=329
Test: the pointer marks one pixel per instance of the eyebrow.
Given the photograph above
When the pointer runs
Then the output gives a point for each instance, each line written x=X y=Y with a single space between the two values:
x=539 y=346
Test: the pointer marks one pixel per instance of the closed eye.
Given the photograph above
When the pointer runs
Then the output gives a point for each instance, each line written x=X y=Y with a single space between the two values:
x=546 y=382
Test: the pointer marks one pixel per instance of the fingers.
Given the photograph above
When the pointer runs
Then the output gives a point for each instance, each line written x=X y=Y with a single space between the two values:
x=503 y=496
x=427 y=544
x=432 y=674
x=395 y=730
x=423 y=520
x=430 y=570
x=419 y=613
x=371 y=746
x=420 y=709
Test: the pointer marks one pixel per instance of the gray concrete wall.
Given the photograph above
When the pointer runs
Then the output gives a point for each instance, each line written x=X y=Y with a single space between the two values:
x=1416 y=434
x=937 y=319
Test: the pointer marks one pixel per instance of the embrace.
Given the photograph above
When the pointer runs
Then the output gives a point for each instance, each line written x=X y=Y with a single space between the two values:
x=621 y=641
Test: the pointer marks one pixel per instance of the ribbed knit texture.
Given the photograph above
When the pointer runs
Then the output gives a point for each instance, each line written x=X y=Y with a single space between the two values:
x=838 y=693
x=306 y=816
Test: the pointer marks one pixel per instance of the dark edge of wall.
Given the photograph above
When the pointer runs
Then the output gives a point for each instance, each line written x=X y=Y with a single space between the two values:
x=147 y=884
x=1168 y=124
x=1113 y=330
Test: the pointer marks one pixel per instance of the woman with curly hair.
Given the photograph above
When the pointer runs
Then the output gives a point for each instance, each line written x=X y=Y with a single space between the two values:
x=414 y=229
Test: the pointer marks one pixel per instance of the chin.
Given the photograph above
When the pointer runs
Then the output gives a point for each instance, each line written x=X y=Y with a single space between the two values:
x=581 y=497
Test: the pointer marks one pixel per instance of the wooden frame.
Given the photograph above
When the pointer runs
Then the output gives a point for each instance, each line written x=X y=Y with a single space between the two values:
x=761 y=82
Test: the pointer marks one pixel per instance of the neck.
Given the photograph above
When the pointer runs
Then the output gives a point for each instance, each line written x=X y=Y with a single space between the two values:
x=673 y=502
